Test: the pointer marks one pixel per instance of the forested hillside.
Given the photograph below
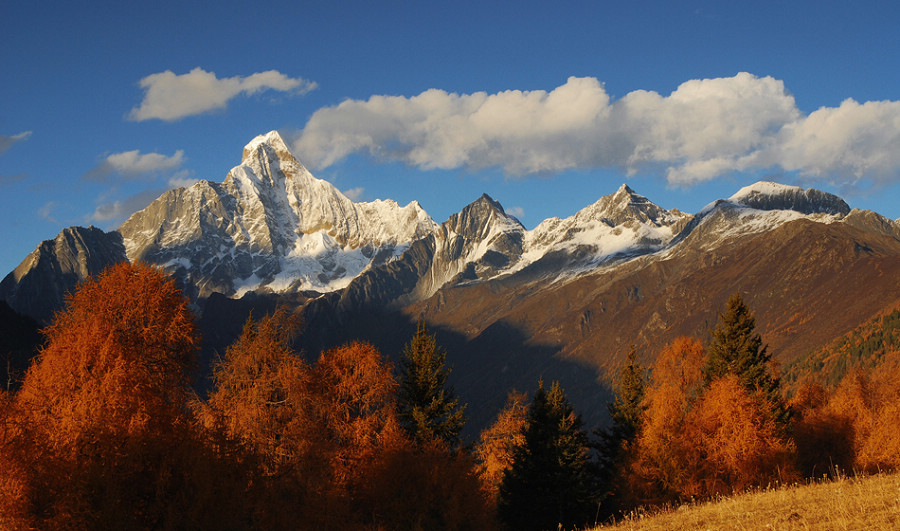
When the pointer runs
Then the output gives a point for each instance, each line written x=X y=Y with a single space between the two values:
x=868 y=347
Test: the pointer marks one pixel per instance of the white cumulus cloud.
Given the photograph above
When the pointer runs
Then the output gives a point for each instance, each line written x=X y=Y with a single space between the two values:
x=704 y=129
x=844 y=144
x=134 y=165
x=48 y=211
x=170 y=97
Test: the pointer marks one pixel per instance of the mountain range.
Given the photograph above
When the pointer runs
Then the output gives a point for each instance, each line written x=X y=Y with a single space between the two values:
x=565 y=300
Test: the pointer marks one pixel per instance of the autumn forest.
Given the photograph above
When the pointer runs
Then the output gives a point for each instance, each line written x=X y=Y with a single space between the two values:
x=105 y=430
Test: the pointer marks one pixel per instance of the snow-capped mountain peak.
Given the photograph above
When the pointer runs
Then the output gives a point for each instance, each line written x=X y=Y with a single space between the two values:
x=761 y=207
x=271 y=142
x=270 y=225
x=625 y=206
x=765 y=195
x=619 y=224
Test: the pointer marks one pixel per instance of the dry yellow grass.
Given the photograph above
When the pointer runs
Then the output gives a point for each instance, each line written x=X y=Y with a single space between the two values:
x=871 y=502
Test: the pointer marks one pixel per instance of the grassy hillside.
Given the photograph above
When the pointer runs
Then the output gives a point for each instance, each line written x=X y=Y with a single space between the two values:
x=848 y=503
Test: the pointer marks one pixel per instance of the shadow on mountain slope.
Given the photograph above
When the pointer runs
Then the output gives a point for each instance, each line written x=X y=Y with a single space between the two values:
x=484 y=368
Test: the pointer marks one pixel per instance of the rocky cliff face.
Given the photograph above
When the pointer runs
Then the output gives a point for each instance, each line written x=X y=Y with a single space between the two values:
x=38 y=286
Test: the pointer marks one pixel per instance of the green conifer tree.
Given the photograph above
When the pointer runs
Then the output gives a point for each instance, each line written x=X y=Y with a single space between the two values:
x=625 y=413
x=628 y=406
x=736 y=348
x=428 y=408
x=551 y=481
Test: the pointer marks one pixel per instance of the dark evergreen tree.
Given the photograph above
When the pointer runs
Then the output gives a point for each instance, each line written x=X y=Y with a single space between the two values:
x=428 y=409
x=736 y=348
x=628 y=406
x=625 y=414
x=551 y=481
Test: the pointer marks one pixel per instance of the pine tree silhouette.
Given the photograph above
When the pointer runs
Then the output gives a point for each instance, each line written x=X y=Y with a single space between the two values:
x=550 y=483
x=428 y=408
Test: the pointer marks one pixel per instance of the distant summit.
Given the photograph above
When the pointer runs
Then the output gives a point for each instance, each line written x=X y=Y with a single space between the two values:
x=38 y=286
x=766 y=195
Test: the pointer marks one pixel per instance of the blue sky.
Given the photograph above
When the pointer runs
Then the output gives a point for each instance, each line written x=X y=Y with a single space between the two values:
x=105 y=105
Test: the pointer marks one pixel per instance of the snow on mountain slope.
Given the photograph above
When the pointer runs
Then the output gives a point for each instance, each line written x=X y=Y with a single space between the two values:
x=765 y=195
x=617 y=227
x=760 y=207
x=478 y=243
x=623 y=223
x=269 y=225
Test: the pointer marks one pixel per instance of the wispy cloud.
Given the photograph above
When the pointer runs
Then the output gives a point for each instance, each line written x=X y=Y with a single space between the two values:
x=132 y=165
x=116 y=211
x=354 y=194
x=704 y=129
x=8 y=141
x=10 y=179
x=48 y=211
x=182 y=179
x=516 y=211
x=170 y=97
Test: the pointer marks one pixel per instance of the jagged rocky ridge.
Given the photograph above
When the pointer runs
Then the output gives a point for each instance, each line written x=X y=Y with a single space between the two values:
x=271 y=226
x=38 y=286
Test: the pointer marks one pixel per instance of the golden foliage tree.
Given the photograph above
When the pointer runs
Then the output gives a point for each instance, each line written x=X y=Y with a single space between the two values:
x=353 y=403
x=255 y=417
x=738 y=440
x=496 y=447
x=869 y=404
x=824 y=440
x=417 y=486
x=258 y=390
x=699 y=440
x=378 y=476
x=103 y=407
x=663 y=458
x=15 y=489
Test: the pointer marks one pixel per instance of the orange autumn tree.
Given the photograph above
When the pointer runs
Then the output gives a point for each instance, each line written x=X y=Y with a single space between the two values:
x=701 y=439
x=738 y=440
x=352 y=399
x=258 y=390
x=881 y=449
x=15 y=491
x=824 y=439
x=103 y=405
x=497 y=444
x=317 y=431
x=663 y=460
x=260 y=404
x=870 y=406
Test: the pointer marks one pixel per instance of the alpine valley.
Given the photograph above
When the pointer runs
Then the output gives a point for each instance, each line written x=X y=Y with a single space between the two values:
x=564 y=301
